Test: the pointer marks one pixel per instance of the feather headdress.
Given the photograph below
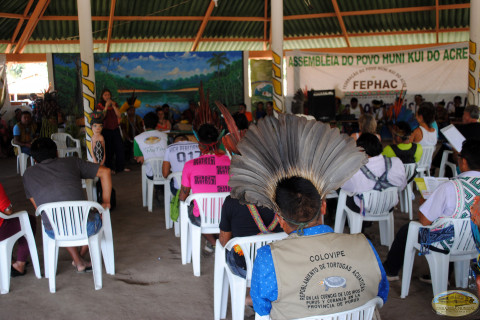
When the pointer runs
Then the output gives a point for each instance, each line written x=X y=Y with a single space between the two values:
x=291 y=147
x=205 y=115
x=231 y=140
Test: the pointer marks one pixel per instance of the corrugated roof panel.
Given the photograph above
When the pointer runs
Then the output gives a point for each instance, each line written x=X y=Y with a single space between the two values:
x=240 y=9
x=230 y=46
x=232 y=29
x=8 y=27
x=300 y=7
x=55 y=30
x=151 y=47
x=155 y=29
x=355 y=5
x=394 y=21
x=393 y=40
x=458 y=18
x=3 y=47
x=61 y=8
x=315 y=43
x=322 y=26
x=46 y=48
x=448 y=37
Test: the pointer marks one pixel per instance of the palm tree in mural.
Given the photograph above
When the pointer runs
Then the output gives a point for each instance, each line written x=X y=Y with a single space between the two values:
x=218 y=60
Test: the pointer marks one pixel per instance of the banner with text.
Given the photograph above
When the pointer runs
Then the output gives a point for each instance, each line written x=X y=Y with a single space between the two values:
x=436 y=73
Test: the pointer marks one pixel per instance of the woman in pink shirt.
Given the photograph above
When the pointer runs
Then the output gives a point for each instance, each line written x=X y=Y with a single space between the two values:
x=208 y=173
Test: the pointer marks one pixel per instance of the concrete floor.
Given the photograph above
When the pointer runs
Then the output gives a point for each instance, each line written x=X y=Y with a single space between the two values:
x=150 y=280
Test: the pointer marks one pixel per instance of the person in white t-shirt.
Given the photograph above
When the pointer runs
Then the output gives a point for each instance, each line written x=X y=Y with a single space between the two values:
x=149 y=144
x=176 y=155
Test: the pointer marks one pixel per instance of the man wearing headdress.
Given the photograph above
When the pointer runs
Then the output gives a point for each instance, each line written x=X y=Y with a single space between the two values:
x=314 y=271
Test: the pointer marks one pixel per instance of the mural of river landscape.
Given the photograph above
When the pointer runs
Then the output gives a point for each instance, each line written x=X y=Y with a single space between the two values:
x=157 y=78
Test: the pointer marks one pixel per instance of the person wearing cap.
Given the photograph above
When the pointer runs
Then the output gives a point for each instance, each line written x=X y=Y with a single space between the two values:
x=8 y=228
x=403 y=149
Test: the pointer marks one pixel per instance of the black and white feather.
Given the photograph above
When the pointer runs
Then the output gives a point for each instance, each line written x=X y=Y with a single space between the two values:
x=291 y=146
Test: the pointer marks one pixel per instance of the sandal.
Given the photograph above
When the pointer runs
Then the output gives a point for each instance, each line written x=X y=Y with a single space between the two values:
x=15 y=273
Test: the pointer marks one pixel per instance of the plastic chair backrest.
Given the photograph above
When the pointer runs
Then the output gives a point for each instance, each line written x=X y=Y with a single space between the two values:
x=156 y=165
x=378 y=203
x=463 y=241
x=364 y=312
x=61 y=138
x=209 y=205
x=176 y=176
x=251 y=244
x=19 y=150
x=426 y=159
x=410 y=170
x=69 y=218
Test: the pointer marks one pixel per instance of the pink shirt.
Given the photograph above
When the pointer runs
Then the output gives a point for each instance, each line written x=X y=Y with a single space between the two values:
x=206 y=174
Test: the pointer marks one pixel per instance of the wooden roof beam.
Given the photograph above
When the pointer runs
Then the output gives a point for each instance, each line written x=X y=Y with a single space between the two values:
x=19 y=26
x=265 y=25
x=340 y=21
x=203 y=25
x=110 y=24
x=31 y=25
x=437 y=21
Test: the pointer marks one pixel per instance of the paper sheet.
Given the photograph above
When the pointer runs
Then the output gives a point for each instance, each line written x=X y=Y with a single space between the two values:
x=454 y=137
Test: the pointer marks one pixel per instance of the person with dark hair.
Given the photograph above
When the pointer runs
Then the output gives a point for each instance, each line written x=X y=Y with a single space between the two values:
x=25 y=132
x=189 y=114
x=290 y=276
x=10 y=227
x=355 y=108
x=168 y=114
x=269 y=109
x=151 y=143
x=451 y=199
x=260 y=111
x=403 y=149
x=425 y=134
x=55 y=179
x=379 y=173
x=210 y=172
x=241 y=121
x=176 y=155
x=132 y=125
x=163 y=122
x=242 y=109
x=111 y=132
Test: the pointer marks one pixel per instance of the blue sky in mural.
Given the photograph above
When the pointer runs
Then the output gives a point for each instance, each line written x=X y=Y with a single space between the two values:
x=159 y=66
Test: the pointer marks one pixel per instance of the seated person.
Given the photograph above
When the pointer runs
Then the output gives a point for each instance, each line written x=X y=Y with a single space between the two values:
x=366 y=124
x=470 y=127
x=242 y=109
x=176 y=155
x=239 y=220
x=379 y=173
x=163 y=123
x=290 y=276
x=443 y=203
x=24 y=132
x=208 y=173
x=425 y=134
x=260 y=112
x=475 y=216
x=403 y=149
x=55 y=179
x=149 y=144
x=8 y=228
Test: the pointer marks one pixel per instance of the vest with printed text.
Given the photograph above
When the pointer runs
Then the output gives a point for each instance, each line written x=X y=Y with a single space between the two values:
x=323 y=274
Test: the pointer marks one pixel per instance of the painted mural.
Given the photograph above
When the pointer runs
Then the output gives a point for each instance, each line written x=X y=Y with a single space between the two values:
x=157 y=78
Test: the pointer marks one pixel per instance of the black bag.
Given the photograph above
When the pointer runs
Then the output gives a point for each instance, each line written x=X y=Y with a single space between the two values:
x=113 y=197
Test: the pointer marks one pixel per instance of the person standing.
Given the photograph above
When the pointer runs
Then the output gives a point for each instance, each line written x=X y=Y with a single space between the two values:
x=111 y=132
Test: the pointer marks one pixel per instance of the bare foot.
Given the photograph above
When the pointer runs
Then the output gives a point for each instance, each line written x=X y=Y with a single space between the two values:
x=81 y=267
x=19 y=266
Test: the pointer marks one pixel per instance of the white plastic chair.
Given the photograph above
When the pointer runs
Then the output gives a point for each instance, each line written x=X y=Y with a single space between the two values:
x=405 y=195
x=22 y=159
x=167 y=196
x=364 y=312
x=445 y=163
x=69 y=223
x=158 y=179
x=462 y=251
x=223 y=277
x=378 y=206
x=210 y=207
x=61 y=140
x=6 y=247
x=423 y=166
